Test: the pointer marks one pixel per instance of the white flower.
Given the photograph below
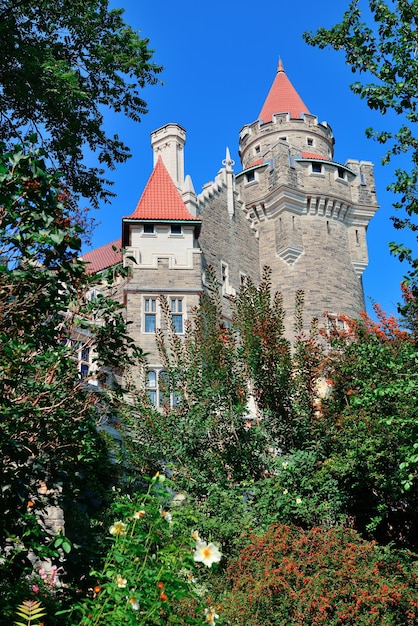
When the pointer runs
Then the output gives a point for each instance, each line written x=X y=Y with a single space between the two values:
x=118 y=529
x=206 y=553
x=298 y=500
x=167 y=516
x=285 y=492
x=134 y=603
x=139 y=514
x=285 y=465
x=120 y=581
x=196 y=536
x=211 y=615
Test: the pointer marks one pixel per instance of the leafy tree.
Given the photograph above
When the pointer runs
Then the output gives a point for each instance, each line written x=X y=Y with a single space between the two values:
x=204 y=437
x=51 y=451
x=62 y=65
x=369 y=426
x=385 y=50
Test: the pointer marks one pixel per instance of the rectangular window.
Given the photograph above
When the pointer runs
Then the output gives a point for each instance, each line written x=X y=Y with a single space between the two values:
x=148 y=229
x=84 y=370
x=309 y=141
x=158 y=390
x=176 y=229
x=151 y=386
x=316 y=168
x=224 y=277
x=177 y=314
x=150 y=308
x=250 y=176
x=340 y=172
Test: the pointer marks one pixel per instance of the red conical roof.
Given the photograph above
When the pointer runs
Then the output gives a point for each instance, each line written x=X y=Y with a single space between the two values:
x=282 y=98
x=160 y=199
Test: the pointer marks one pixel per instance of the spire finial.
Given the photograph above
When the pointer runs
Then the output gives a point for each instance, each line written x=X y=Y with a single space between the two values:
x=280 y=67
x=228 y=162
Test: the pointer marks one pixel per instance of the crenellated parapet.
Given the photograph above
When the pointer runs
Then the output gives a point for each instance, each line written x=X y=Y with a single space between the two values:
x=304 y=134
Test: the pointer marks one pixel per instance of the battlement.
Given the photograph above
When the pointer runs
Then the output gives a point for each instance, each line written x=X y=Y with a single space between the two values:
x=306 y=133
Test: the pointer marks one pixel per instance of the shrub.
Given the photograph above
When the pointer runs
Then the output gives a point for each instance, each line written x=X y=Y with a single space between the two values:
x=332 y=577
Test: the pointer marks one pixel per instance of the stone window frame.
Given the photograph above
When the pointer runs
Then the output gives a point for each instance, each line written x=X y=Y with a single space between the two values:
x=316 y=169
x=160 y=398
x=177 y=313
x=150 y=310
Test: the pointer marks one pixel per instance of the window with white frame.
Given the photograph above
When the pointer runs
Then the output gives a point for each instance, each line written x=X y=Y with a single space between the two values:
x=158 y=389
x=175 y=229
x=336 y=322
x=250 y=177
x=316 y=168
x=176 y=308
x=150 y=315
x=341 y=174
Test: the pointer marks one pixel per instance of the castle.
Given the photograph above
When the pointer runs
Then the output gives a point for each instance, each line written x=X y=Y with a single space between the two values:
x=291 y=207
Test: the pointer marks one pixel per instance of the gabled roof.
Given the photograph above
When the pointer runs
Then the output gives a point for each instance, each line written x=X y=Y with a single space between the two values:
x=101 y=258
x=282 y=98
x=161 y=200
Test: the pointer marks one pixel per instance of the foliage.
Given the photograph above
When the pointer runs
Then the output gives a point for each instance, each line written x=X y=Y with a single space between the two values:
x=386 y=51
x=63 y=64
x=321 y=576
x=150 y=572
x=369 y=426
x=31 y=611
x=52 y=453
x=204 y=438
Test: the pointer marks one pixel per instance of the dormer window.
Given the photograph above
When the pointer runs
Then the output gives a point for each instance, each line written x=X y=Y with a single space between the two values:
x=148 y=229
x=250 y=177
x=341 y=173
x=316 y=168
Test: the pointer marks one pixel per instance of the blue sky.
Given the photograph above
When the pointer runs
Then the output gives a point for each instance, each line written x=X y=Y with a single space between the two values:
x=219 y=60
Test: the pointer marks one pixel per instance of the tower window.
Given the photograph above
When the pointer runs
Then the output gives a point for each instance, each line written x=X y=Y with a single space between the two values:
x=250 y=176
x=148 y=229
x=316 y=168
x=309 y=141
x=257 y=149
x=341 y=173
x=224 y=277
x=176 y=229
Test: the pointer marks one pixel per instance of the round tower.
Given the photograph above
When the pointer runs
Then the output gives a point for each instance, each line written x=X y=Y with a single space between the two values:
x=310 y=212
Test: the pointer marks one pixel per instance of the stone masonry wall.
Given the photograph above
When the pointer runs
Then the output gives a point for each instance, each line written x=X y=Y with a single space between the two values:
x=227 y=239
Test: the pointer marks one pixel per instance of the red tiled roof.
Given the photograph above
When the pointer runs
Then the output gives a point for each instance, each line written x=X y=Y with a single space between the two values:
x=282 y=98
x=258 y=162
x=313 y=155
x=103 y=257
x=160 y=199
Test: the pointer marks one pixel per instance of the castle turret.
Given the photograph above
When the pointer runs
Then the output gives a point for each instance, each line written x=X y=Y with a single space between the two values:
x=168 y=142
x=310 y=212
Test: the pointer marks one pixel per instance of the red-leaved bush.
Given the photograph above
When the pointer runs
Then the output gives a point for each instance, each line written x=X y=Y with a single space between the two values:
x=322 y=576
